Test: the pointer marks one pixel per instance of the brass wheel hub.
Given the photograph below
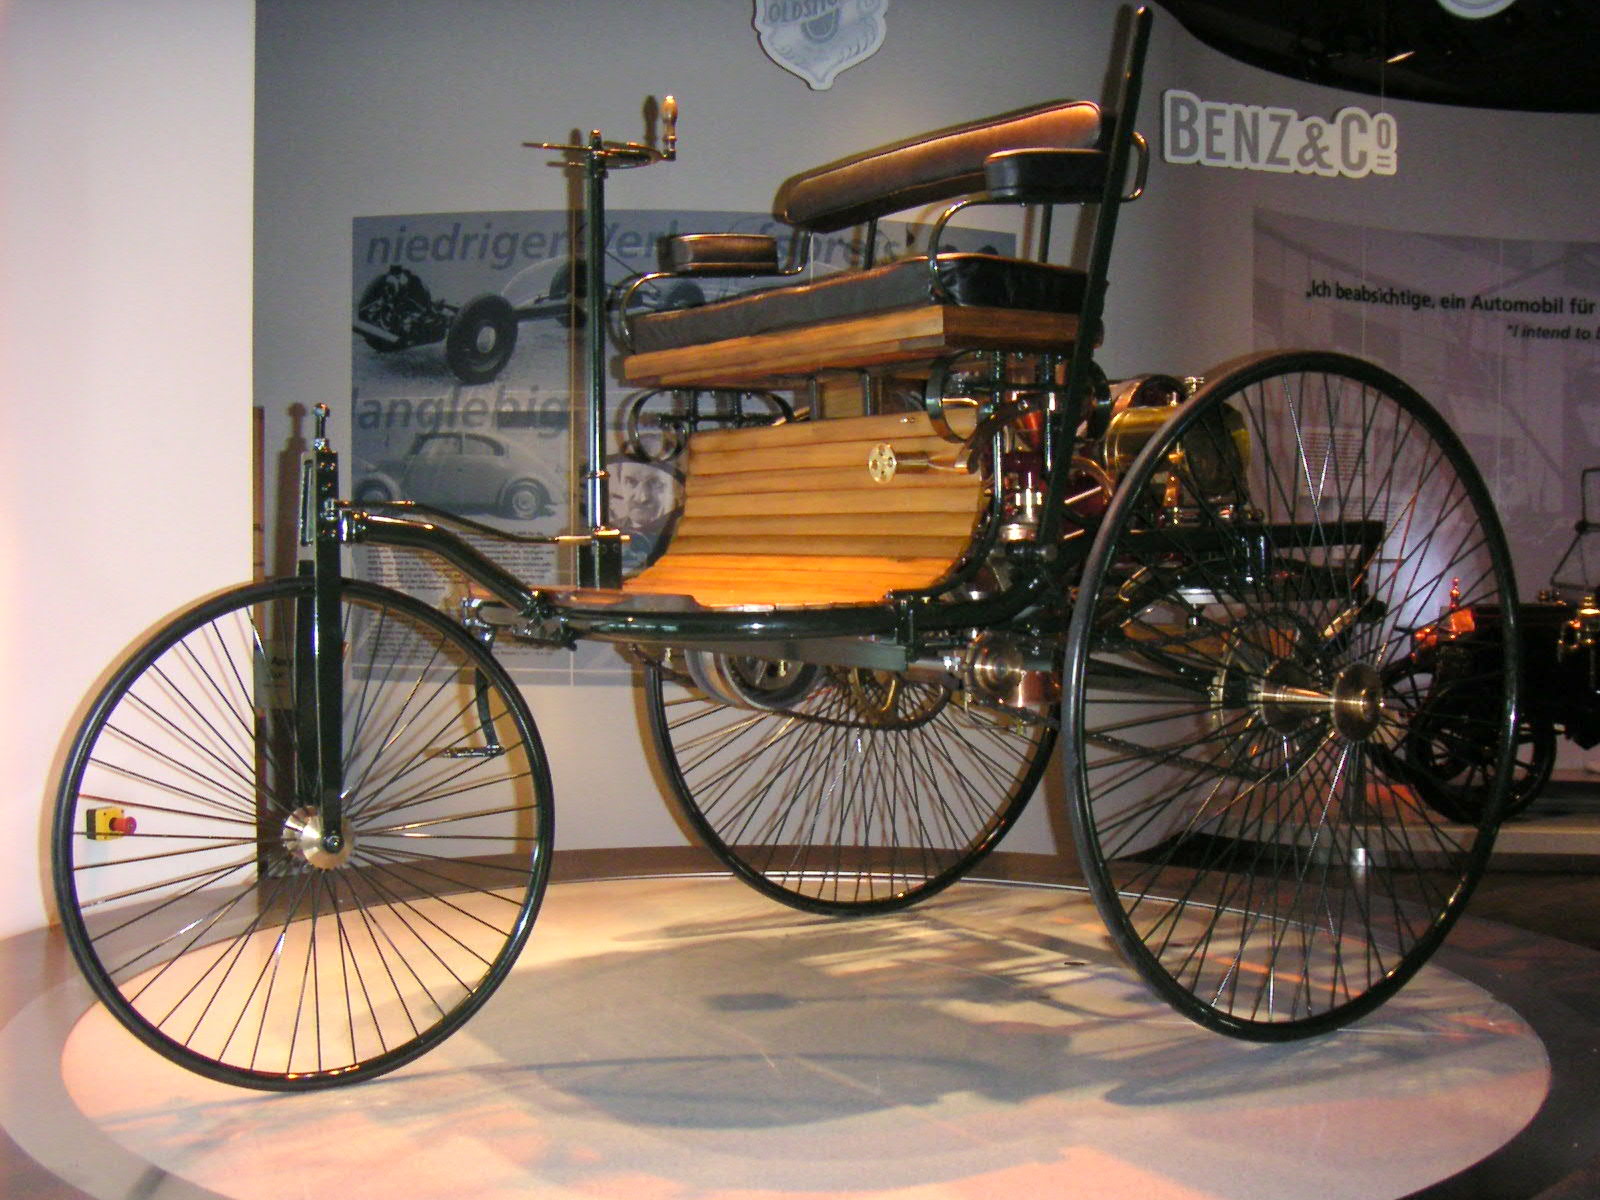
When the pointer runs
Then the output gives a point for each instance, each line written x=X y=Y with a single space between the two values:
x=1286 y=699
x=1354 y=703
x=1358 y=701
x=302 y=838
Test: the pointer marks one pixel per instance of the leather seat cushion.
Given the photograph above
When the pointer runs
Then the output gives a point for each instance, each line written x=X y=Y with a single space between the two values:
x=978 y=280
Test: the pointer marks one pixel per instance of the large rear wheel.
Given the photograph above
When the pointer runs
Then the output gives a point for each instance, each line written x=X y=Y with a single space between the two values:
x=840 y=790
x=1254 y=836
x=196 y=894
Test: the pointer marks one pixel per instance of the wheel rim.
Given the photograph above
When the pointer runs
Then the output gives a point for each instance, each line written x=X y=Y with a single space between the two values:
x=1239 y=812
x=219 y=931
x=481 y=339
x=835 y=805
x=483 y=346
x=527 y=502
x=1532 y=767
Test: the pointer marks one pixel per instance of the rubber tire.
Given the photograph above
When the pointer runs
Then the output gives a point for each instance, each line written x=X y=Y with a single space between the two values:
x=1434 y=769
x=526 y=487
x=481 y=339
x=830 y=806
x=197 y=737
x=1251 y=856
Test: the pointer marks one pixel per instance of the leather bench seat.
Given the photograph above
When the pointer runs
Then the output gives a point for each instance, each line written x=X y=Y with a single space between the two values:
x=934 y=167
x=971 y=280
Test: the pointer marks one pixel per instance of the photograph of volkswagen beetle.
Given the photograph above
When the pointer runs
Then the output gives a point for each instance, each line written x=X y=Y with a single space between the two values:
x=463 y=472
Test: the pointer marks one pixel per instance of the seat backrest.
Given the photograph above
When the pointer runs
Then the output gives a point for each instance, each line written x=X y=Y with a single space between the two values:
x=926 y=169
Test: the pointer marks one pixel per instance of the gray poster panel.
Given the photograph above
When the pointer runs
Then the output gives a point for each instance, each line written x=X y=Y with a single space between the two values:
x=1501 y=335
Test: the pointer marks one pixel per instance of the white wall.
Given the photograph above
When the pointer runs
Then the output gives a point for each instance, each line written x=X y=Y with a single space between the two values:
x=1472 y=172
x=125 y=148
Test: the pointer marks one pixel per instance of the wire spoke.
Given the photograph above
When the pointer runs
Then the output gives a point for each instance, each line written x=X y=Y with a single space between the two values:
x=220 y=923
x=868 y=791
x=1279 y=847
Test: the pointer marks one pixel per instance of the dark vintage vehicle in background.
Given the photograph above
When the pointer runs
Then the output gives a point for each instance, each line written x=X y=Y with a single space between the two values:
x=1453 y=658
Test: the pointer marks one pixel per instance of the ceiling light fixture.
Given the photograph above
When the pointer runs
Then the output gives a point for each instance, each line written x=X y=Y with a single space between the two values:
x=1475 y=10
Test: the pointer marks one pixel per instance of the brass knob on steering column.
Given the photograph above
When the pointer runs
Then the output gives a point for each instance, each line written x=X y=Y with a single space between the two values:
x=669 y=121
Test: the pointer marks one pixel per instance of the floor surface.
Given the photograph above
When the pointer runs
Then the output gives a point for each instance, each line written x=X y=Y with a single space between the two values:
x=686 y=1038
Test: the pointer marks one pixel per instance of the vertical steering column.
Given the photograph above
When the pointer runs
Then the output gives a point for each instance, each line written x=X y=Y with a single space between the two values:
x=600 y=560
x=1080 y=365
x=319 y=639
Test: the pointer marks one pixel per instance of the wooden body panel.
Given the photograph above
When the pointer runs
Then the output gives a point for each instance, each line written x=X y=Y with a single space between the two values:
x=781 y=581
x=788 y=515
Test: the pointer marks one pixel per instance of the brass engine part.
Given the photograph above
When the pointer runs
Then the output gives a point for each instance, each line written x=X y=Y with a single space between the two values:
x=1208 y=465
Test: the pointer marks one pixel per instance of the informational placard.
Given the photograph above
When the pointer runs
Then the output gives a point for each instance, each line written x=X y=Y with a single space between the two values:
x=1502 y=335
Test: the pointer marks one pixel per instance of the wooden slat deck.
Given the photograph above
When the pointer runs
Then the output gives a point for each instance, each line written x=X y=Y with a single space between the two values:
x=902 y=335
x=787 y=515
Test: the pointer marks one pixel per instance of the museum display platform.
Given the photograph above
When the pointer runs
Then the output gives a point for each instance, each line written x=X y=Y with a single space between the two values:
x=679 y=1035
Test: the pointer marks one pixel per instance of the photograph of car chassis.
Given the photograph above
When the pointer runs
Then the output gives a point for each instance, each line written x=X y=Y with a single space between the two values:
x=397 y=311
x=305 y=829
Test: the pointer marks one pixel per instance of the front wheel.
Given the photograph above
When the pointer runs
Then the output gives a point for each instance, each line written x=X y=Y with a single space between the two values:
x=199 y=901
x=1233 y=721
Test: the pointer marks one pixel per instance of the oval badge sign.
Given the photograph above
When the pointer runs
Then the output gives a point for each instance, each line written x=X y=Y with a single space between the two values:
x=816 y=39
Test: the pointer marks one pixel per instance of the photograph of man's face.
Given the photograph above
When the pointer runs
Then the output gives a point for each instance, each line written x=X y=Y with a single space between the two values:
x=642 y=496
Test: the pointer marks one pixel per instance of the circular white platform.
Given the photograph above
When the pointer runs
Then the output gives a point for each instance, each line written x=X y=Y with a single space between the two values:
x=687 y=1038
